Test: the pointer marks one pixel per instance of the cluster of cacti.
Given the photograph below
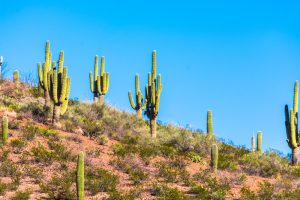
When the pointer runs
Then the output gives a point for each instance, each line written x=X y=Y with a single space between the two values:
x=59 y=88
x=99 y=84
x=80 y=177
x=291 y=124
x=209 y=124
x=4 y=129
x=16 y=77
x=153 y=91
x=214 y=157
x=43 y=73
x=140 y=104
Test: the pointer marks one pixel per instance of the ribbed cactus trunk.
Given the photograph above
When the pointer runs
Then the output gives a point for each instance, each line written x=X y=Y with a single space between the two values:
x=139 y=113
x=214 y=157
x=56 y=116
x=153 y=127
x=47 y=99
x=101 y=99
x=209 y=124
x=4 y=129
x=259 y=142
x=295 y=156
x=16 y=77
x=253 y=144
x=80 y=177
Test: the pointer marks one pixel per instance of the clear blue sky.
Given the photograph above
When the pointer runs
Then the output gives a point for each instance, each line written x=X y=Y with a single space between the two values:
x=238 y=58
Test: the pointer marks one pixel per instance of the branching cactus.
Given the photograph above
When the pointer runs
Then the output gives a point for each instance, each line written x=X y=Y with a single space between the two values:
x=99 y=83
x=291 y=124
x=4 y=129
x=59 y=90
x=43 y=73
x=153 y=91
x=16 y=77
x=214 y=157
x=209 y=125
x=80 y=177
x=140 y=104
x=259 y=142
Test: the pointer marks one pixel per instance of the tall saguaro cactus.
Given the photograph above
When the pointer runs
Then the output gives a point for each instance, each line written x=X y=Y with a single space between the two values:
x=153 y=91
x=291 y=124
x=4 y=129
x=140 y=104
x=43 y=73
x=214 y=157
x=80 y=177
x=253 y=143
x=59 y=89
x=99 y=84
x=259 y=142
x=209 y=125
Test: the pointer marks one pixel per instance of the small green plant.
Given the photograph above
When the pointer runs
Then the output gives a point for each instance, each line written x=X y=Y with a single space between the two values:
x=21 y=195
x=17 y=145
x=163 y=192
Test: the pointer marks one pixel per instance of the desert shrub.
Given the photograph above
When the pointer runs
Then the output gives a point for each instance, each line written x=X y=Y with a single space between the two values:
x=116 y=195
x=266 y=190
x=100 y=180
x=3 y=188
x=10 y=169
x=25 y=195
x=200 y=192
x=194 y=157
x=247 y=194
x=60 y=150
x=42 y=154
x=163 y=192
x=34 y=172
x=17 y=145
x=15 y=124
x=38 y=111
x=167 y=150
x=30 y=132
x=173 y=170
x=60 y=186
x=266 y=165
x=288 y=195
x=68 y=125
x=102 y=139
x=94 y=152
x=4 y=155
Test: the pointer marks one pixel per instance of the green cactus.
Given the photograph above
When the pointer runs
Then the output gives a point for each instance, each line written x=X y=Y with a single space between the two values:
x=59 y=89
x=140 y=104
x=4 y=129
x=153 y=91
x=214 y=157
x=291 y=124
x=253 y=143
x=43 y=73
x=16 y=77
x=80 y=176
x=259 y=142
x=99 y=84
x=209 y=124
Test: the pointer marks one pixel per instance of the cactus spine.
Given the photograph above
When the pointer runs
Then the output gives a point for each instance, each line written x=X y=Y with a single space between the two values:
x=214 y=157
x=153 y=91
x=99 y=84
x=59 y=89
x=4 y=129
x=140 y=104
x=253 y=143
x=80 y=176
x=259 y=142
x=209 y=124
x=16 y=76
x=291 y=124
x=43 y=73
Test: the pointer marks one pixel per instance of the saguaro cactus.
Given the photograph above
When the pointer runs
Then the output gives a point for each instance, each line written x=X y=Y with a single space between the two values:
x=209 y=124
x=214 y=157
x=259 y=142
x=80 y=176
x=99 y=84
x=291 y=124
x=253 y=143
x=16 y=76
x=4 y=129
x=140 y=104
x=43 y=73
x=59 y=89
x=153 y=91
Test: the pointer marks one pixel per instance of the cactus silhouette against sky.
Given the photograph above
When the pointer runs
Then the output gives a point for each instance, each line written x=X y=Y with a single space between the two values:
x=99 y=83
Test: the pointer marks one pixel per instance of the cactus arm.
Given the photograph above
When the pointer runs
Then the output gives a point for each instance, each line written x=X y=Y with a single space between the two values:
x=61 y=62
x=293 y=139
x=102 y=66
x=40 y=74
x=91 y=82
x=98 y=85
x=96 y=68
x=66 y=101
x=295 y=108
x=154 y=65
x=131 y=100
x=107 y=82
x=137 y=83
x=63 y=84
x=54 y=86
x=103 y=85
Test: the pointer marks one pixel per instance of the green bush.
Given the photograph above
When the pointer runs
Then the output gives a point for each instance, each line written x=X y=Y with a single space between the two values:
x=163 y=192
x=17 y=145
x=21 y=195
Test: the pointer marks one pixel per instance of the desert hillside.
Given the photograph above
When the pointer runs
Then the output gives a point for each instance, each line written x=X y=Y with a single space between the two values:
x=122 y=160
